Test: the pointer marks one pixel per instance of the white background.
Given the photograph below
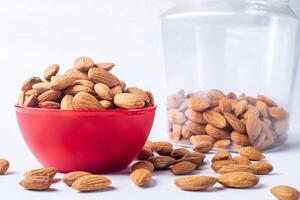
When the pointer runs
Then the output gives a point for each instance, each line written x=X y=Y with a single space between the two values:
x=34 y=34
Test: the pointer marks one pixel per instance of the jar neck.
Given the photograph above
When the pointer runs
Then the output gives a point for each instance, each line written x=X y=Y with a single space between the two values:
x=206 y=1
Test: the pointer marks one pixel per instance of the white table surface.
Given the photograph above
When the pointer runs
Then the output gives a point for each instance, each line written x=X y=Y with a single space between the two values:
x=286 y=171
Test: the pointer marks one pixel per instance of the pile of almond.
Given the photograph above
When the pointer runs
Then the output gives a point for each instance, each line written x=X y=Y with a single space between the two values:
x=215 y=119
x=86 y=86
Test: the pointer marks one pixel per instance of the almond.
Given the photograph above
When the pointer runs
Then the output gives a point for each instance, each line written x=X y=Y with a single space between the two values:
x=261 y=168
x=139 y=92
x=66 y=102
x=91 y=183
x=194 y=116
x=175 y=116
x=83 y=63
x=164 y=150
x=242 y=160
x=107 y=66
x=143 y=165
x=197 y=139
x=234 y=122
x=98 y=75
x=221 y=155
x=158 y=144
x=51 y=71
x=197 y=103
x=175 y=100
x=238 y=180
x=69 y=178
x=141 y=177
x=195 y=128
x=145 y=154
x=179 y=153
x=195 y=183
x=27 y=85
x=278 y=113
x=239 y=138
x=284 y=192
x=106 y=104
x=251 y=153
x=231 y=95
x=116 y=90
x=262 y=108
x=236 y=168
x=281 y=127
x=85 y=83
x=62 y=82
x=203 y=147
x=161 y=162
x=39 y=183
x=175 y=134
x=76 y=74
x=48 y=171
x=225 y=105
x=268 y=101
x=197 y=160
x=128 y=101
x=253 y=127
x=217 y=165
x=4 y=165
x=216 y=132
x=222 y=144
x=85 y=101
x=103 y=91
x=240 y=107
x=215 y=119
x=21 y=98
x=73 y=90
x=251 y=111
x=30 y=101
x=49 y=105
x=186 y=132
x=215 y=96
x=195 y=154
x=41 y=87
x=151 y=97
x=31 y=92
x=183 y=168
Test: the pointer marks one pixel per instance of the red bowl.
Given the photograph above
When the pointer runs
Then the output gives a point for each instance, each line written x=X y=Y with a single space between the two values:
x=94 y=141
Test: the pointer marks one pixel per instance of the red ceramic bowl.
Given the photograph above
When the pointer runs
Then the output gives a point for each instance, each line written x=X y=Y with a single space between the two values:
x=94 y=141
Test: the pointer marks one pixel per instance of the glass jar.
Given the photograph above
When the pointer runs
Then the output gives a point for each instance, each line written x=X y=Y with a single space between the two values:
x=230 y=70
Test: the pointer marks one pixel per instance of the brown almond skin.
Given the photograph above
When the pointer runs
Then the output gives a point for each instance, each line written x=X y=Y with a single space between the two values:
x=179 y=153
x=236 y=168
x=49 y=105
x=197 y=139
x=69 y=178
x=76 y=74
x=83 y=63
x=27 y=85
x=139 y=92
x=215 y=119
x=38 y=183
x=183 y=168
x=195 y=183
x=216 y=166
x=262 y=168
x=103 y=91
x=66 y=102
x=238 y=180
x=284 y=192
x=242 y=160
x=234 y=122
x=164 y=150
x=143 y=165
x=197 y=104
x=30 y=101
x=4 y=165
x=98 y=75
x=62 y=82
x=203 y=147
x=155 y=146
x=107 y=65
x=91 y=183
x=145 y=154
x=141 y=177
x=47 y=171
x=239 y=138
x=51 y=71
x=198 y=161
x=221 y=155
x=222 y=144
x=51 y=95
x=128 y=101
x=162 y=162
x=216 y=132
x=251 y=153
x=85 y=101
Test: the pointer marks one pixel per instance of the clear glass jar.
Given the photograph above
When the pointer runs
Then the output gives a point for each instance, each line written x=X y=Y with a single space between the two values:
x=230 y=69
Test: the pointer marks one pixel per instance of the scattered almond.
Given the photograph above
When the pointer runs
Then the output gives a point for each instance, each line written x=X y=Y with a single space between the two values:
x=69 y=178
x=183 y=168
x=4 y=165
x=141 y=177
x=195 y=183
x=284 y=192
x=251 y=153
x=238 y=180
x=38 y=183
x=91 y=183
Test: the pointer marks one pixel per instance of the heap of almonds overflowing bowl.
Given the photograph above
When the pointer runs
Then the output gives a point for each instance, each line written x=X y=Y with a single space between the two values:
x=228 y=120
x=232 y=171
x=86 y=86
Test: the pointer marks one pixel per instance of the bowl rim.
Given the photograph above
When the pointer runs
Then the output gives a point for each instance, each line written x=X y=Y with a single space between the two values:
x=131 y=111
